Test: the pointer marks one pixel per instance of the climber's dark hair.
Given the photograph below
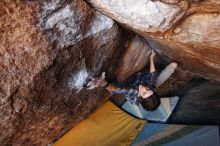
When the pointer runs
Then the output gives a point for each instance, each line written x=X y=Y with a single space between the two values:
x=151 y=103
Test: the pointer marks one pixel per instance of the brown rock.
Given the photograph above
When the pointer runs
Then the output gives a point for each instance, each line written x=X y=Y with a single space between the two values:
x=186 y=31
x=48 y=50
x=145 y=17
x=135 y=58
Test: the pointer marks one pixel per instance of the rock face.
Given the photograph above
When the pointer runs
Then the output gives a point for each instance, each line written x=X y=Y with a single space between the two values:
x=187 y=30
x=135 y=58
x=48 y=50
x=145 y=17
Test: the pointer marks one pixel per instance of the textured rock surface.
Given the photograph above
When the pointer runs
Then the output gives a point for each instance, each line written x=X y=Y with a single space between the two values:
x=135 y=58
x=48 y=49
x=187 y=30
x=144 y=16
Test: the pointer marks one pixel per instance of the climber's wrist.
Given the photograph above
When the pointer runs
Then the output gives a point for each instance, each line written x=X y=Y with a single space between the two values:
x=105 y=85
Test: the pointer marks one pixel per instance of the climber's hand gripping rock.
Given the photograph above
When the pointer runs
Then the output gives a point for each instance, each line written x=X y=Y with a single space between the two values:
x=97 y=82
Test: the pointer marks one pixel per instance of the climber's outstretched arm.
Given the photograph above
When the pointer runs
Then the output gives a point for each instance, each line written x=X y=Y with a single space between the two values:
x=111 y=88
x=101 y=82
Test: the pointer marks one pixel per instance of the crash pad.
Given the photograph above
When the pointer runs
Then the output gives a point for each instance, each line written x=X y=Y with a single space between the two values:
x=108 y=126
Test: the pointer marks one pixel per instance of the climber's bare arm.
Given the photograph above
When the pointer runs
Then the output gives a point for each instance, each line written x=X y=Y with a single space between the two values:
x=111 y=88
x=115 y=90
x=152 y=66
x=101 y=82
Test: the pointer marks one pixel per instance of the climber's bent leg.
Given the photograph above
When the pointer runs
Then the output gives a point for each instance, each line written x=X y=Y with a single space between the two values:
x=166 y=73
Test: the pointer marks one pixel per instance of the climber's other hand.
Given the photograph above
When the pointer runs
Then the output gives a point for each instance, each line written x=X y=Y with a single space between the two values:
x=97 y=82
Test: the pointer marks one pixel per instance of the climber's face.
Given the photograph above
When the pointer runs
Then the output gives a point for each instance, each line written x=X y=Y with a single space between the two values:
x=145 y=91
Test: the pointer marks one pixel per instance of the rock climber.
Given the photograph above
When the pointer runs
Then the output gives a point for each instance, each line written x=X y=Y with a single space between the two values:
x=141 y=88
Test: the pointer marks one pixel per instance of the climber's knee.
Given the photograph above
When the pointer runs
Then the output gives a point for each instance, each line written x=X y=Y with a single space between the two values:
x=173 y=65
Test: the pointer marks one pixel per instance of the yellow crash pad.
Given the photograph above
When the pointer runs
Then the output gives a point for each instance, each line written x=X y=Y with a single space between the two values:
x=108 y=126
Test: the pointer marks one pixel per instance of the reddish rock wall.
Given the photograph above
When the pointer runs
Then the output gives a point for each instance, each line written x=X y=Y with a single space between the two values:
x=187 y=31
x=48 y=50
